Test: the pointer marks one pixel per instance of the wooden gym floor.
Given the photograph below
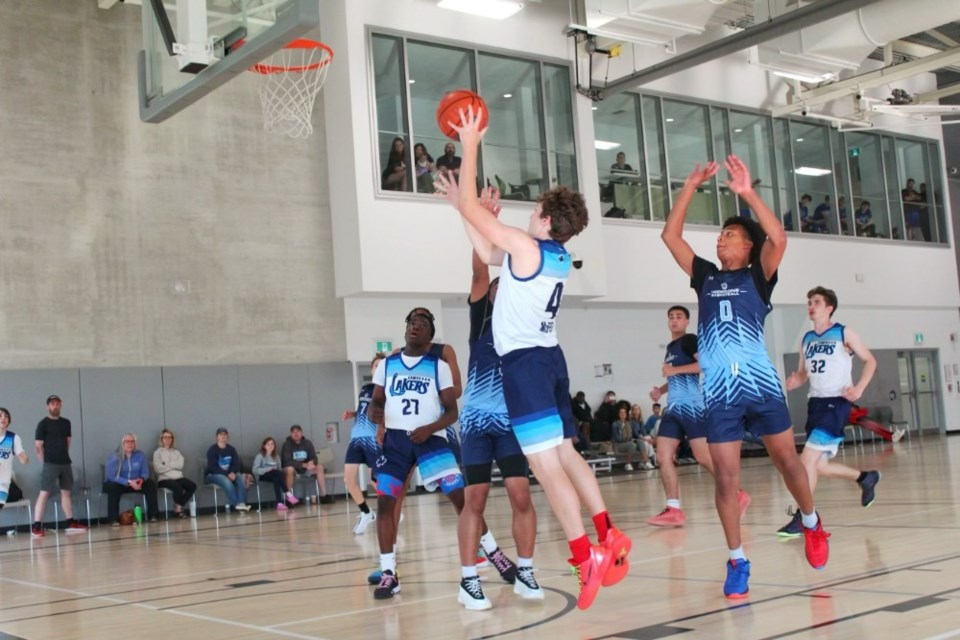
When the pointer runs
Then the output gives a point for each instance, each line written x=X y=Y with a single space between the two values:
x=894 y=569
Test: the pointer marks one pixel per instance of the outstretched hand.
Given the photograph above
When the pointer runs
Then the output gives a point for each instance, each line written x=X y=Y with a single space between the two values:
x=446 y=187
x=490 y=200
x=698 y=176
x=469 y=126
x=739 y=182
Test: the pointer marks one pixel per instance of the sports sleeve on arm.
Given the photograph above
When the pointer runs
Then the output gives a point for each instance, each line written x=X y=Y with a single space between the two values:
x=701 y=269
x=444 y=377
x=478 y=313
x=689 y=344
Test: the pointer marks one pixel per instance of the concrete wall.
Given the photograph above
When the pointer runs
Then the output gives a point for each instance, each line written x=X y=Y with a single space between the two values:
x=102 y=213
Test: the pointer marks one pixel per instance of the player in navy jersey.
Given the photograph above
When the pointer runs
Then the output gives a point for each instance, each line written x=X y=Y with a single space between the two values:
x=741 y=387
x=363 y=449
x=536 y=385
x=825 y=360
x=684 y=416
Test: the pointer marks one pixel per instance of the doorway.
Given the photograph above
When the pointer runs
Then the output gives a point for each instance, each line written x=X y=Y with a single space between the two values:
x=920 y=389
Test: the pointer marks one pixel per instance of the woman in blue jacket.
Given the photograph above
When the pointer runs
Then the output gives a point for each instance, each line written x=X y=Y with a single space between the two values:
x=128 y=472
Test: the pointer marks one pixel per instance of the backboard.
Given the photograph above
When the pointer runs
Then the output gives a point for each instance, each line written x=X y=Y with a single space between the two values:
x=191 y=47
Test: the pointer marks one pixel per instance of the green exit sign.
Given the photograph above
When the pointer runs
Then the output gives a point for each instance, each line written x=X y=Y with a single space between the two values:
x=918 y=338
x=384 y=346
x=854 y=152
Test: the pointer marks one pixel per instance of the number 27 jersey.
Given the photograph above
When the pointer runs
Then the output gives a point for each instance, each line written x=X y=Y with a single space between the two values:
x=733 y=355
x=412 y=386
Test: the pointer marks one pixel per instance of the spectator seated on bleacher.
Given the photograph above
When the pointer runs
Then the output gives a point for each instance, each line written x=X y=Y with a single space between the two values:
x=623 y=438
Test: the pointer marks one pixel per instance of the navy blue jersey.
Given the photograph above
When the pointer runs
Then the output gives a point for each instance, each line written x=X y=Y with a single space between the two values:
x=483 y=396
x=733 y=356
x=684 y=393
x=362 y=427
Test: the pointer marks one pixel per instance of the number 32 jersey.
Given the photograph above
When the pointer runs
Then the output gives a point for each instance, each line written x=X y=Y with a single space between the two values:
x=526 y=311
x=412 y=386
x=733 y=355
x=828 y=362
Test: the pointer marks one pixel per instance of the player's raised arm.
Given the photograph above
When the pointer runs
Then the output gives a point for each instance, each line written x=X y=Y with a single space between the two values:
x=510 y=239
x=672 y=234
x=740 y=183
x=490 y=200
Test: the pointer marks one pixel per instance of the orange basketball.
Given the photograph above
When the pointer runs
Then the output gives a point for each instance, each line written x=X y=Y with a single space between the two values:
x=449 y=110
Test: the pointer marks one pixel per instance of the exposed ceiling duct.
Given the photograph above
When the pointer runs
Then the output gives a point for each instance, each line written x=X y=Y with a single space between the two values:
x=651 y=22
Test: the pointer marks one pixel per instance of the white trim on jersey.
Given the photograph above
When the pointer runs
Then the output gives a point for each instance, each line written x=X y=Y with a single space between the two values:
x=829 y=365
x=420 y=378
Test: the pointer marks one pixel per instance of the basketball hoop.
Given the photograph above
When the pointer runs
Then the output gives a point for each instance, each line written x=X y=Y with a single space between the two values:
x=290 y=80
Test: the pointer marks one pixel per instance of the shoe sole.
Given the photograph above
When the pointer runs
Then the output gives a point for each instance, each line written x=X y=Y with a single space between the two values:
x=71 y=532
x=620 y=565
x=664 y=525
x=388 y=595
x=471 y=603
x=789 y=536
x=602 y=570
x=737 y=596
x=526 y=592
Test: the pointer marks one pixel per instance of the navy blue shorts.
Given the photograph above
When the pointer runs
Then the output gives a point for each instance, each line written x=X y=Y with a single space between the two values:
x=766 y=417
x=829 y=415
x=536 y=388
x=400 y=455
x=488 y=438
x=453 y=439
x=363 y=451
x=679 y=423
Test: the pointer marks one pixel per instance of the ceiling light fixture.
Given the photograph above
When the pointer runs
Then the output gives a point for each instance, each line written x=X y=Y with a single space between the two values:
x=812 y=171
x=799 y=139
x=807 y=77
x=508 y=95
x=603 y=145
x=495 y=9
x=669 y=119
x=738 y=130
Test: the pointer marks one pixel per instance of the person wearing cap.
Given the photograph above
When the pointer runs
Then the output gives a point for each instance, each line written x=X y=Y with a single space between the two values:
x=299 y=458
x=52 y=444
x=225 y=471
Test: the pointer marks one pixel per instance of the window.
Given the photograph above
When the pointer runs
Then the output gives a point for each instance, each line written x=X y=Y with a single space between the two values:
x=935 y=193
x=719 y=128
x=893 y=190
x=620 y=161
x=841 y=181
x=685 y=127
x=753 y=143
x=868 y=201
x=530 y=145
x=914 y=169
x=656 y=161
x=813 y=171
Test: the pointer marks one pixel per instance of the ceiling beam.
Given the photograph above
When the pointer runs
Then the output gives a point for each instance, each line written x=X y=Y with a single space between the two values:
x=936 y=35
x=778 y=26
x=836 y=90
x=933 y=96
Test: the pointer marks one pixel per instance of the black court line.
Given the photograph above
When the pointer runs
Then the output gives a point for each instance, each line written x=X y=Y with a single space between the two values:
x=252 y=583
x=649 y=633
x=569 y=606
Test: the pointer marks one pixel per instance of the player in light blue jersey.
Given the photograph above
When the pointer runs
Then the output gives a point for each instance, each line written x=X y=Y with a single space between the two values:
x=363 y=449
x=684 y=417
x=741 y=387
x=536 y=385
x=826 y=362
x=10 y=447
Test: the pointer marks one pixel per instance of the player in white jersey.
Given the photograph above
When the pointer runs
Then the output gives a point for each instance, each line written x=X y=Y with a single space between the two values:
x=414 y=397
x=10 y=447
x=536 y=386
x=826 y=362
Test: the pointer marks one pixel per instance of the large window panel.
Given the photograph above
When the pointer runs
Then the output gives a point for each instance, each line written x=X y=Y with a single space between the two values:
x=558 y=110
x=390 y=92
x=842 y=182
x=687 y=144
x=620 y=161
x=868 y=199
x=752 y=141
x=656 y=161
x=935 y=193
x=514 y=147
x=719 y=130
x=433 y=71
x=914 y=169
x=893 y=181
x=786 y=192
x=813 y=171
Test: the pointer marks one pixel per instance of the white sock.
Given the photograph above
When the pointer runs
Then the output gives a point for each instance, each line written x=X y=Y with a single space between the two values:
x=388 y=562
x=809 y=521
x=469 y=572
x=673 y=503
x=737 y=554
x=524 y=562
x=488 y=542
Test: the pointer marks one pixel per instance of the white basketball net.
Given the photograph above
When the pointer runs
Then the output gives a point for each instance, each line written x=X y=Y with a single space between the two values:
x=290 y=80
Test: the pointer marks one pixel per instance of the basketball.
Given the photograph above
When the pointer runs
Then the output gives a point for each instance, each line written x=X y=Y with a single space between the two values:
x=449 y=110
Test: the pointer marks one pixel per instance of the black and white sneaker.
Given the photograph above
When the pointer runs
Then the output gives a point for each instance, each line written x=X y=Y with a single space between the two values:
x=504 y=565
x=471 y=594
x=526 y=585
x=388 y=587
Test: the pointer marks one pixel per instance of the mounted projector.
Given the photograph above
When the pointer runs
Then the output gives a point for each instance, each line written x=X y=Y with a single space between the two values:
x=900 y=96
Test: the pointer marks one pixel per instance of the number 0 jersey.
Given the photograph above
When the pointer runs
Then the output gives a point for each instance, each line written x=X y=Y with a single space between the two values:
x=526 y=310
x=412 y=386
x=733 y=355
x=829 y=364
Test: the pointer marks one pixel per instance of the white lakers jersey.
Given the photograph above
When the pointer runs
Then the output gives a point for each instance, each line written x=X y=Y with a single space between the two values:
x=412 y=386
x=526 y=311
x=829 y=364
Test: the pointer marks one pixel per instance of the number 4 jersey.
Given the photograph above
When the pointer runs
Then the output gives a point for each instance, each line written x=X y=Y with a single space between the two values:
x=829 y=364
x=412 y=386
x=733 y=356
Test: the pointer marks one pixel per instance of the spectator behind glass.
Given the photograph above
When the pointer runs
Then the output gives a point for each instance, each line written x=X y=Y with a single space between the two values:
x=449 y=162
x=267 y=468
x=821 y=215
x=911 y=211
x=842 y=212
x=425 y=167
x=394 y=177
x=127 y=472
x=168 y=463
x=621 y=163
x=864 y=221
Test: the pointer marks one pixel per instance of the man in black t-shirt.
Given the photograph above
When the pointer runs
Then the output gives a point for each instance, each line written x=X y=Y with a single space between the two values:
x=52 y=443
x=449 y=162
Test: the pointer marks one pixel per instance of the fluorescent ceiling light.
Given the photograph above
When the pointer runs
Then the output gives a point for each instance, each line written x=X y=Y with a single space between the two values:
x=799 y=139
x=594 y=108
x=412 y=81
x=812 y=171
x=669 y=119
x=496 y=9
x=806 y=77
x=603 y=145
x=737 y=130
x=508 y=95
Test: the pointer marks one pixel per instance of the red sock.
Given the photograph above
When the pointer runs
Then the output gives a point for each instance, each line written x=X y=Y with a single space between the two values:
x=602 y=522
x=580 y=548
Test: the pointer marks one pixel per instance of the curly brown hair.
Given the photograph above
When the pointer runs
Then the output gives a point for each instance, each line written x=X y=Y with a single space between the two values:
x=567 y=211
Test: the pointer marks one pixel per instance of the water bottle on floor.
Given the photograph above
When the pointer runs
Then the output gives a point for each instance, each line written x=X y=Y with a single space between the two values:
x=193 y=508
x=138 y=514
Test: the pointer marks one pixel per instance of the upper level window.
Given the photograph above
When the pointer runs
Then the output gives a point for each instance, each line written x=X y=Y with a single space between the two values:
x=530 y=144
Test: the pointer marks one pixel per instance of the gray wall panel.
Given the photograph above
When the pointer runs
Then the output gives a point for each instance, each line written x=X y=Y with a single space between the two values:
x=272 y=398
x=331 y=393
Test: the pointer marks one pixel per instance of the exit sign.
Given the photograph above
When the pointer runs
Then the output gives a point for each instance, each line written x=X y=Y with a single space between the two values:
x=918 y=338
x=854 y=152
x=384 y=346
